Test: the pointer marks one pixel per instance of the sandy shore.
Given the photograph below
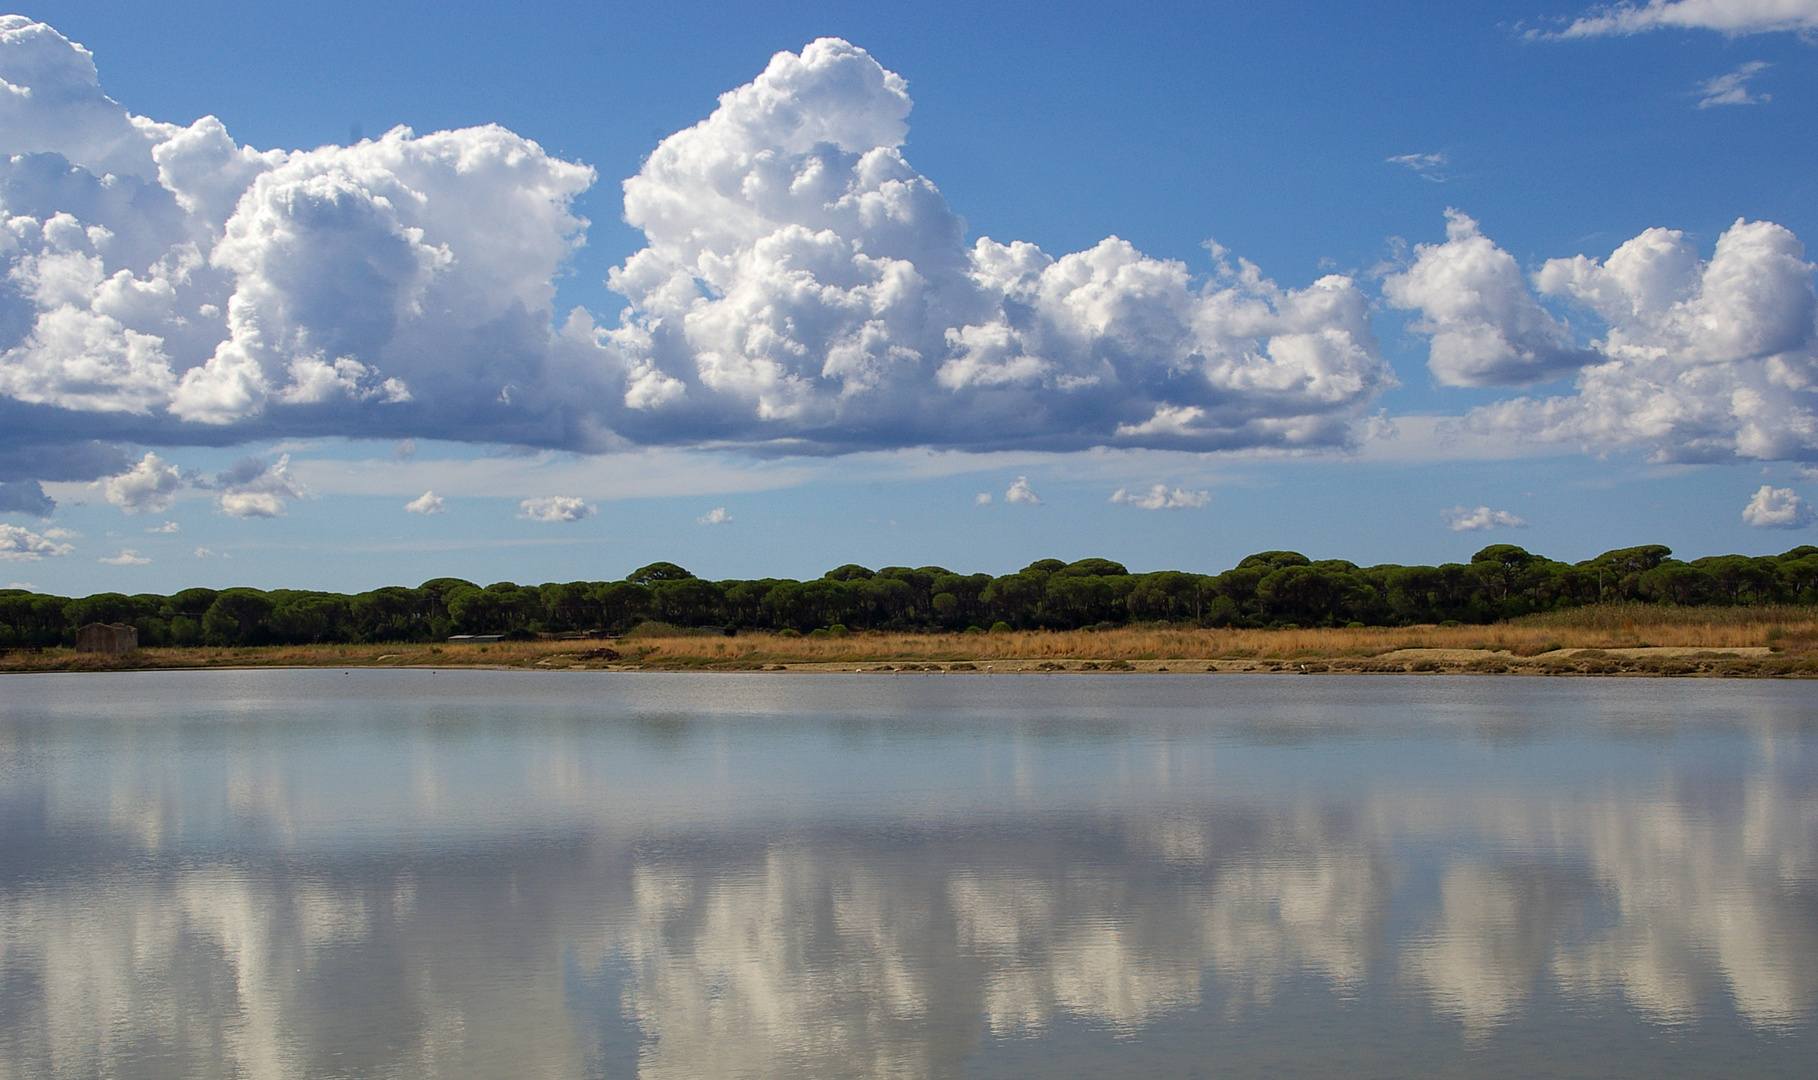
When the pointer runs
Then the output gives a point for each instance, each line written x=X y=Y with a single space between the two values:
x=1680 y=661
x=1753 y=661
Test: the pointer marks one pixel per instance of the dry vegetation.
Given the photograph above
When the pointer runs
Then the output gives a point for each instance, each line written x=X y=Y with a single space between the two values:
x=1604 y=639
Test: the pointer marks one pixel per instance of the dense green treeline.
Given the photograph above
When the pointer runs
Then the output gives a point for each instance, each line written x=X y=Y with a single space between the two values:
x=1273 y=588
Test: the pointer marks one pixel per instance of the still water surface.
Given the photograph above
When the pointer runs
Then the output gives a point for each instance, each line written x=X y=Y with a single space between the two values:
x=486 y=874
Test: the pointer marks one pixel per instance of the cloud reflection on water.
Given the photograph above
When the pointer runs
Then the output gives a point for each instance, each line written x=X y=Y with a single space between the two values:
x=274 y=915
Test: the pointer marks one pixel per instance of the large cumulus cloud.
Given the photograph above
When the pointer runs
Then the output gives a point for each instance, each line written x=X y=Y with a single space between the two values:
x=1701 y=359
x=164 y=284
x=803 y=281
x=802 y=286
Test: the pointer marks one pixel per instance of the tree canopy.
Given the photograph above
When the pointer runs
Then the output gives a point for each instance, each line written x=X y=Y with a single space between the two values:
x=1270 y=588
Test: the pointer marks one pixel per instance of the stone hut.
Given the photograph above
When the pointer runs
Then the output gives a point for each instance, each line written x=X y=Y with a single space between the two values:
x=111 y=638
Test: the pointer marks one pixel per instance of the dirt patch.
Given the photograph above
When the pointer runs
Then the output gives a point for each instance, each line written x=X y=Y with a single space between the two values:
x=1672 y=652
x=1448 y=657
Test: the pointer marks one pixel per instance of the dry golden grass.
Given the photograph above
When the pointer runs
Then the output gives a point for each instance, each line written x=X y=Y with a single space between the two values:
x=1607 y=626
x=1647 y=618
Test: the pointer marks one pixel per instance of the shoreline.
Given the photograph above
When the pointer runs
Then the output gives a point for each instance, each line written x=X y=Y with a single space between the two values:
x=1626 y=639
x=1632 y=661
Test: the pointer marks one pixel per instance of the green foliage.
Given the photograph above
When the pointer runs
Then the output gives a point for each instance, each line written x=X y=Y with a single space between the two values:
x=1271 y=588
x=1273 y=560
x=1507 y=556
x=657 y=571
x=238 y=617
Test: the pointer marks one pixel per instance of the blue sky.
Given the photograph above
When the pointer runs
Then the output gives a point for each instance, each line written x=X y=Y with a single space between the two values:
x=393 y=318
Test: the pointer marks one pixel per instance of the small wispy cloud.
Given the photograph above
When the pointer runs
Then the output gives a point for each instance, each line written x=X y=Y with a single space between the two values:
x=1021 y=492
x=146 y=488
x=554 y=509
x=983 y=498
x=1732 y=18
x=1161 y=497
x=1425 y=166
x=256 y=488
x=127 y=557
x=715 y=516
x=19 y=544
x=209 y=553
x=1733 y=89
x=167 y=527
x=427 y=503
x=1481 y=519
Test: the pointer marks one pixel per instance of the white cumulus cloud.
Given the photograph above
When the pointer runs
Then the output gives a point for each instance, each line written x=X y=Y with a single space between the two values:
x=715 y=516
x=983 y=498
x=170 y=274
x=427 y=503
x=1486 y=327
x=127 y=557
x=167 y=527
x=1733 y=89
x=51 y=101
x=1732 y=17
x=1162 y=497
x=801 y=284
x=1700 y=360
x=803 y=281
x=251 y=504
x=555 y=508
x=1464 y=519
x=256 y=488
x=18 y=544
x=1021 y=493
x=1777 y=508
x=146 y=488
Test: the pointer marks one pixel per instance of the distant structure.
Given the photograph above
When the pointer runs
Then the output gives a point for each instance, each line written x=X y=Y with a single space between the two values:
x=113 y=639
x=465 y=638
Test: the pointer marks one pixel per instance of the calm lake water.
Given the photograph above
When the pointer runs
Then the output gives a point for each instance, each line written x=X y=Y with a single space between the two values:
x=488 y=874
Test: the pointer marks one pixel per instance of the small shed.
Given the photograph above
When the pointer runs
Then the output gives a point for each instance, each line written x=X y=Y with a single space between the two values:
x=110 y=638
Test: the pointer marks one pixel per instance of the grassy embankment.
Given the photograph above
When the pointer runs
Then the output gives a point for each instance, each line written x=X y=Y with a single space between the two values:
x=1602 y=639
